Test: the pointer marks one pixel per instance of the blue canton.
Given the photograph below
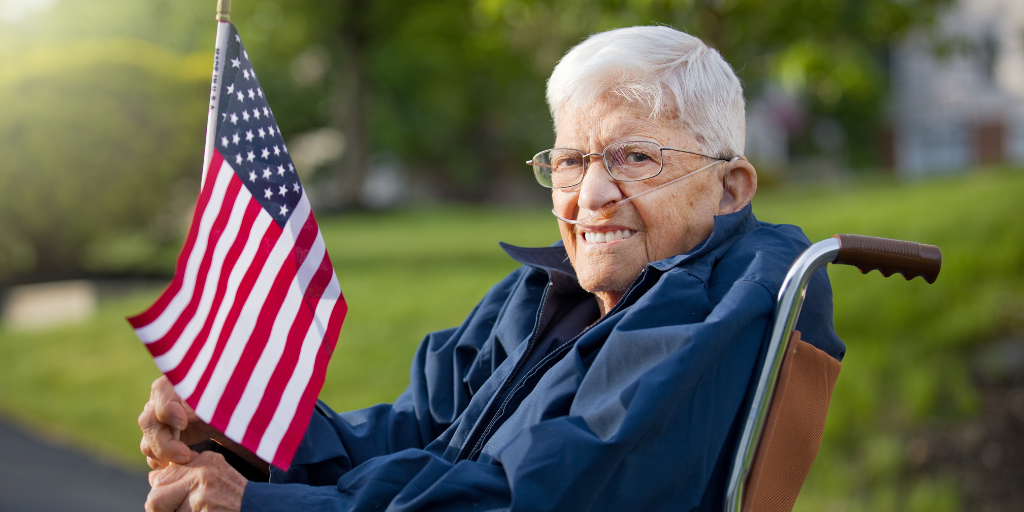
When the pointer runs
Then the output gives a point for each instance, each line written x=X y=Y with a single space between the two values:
x=249 y=139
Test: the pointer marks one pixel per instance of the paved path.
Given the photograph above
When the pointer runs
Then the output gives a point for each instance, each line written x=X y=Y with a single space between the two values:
x=39 y=477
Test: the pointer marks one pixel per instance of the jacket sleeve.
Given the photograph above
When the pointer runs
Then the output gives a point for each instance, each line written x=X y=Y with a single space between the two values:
x=656 y=407
x=443 y=369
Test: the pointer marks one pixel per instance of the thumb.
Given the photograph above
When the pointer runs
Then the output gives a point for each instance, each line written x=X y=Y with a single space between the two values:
x=172 y=472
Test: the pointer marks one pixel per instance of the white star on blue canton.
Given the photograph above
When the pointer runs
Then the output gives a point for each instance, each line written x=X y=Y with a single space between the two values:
x=252 y=175
x=270 y=129
x=248 y=135
x=245 y=53
x=277 y=151
x=245 y=115
x=290 y=166
x=284 y=210
x=235 y=138
x=235 y=62
x=295 y=186
x=265 y=153
x=282 y=189
x=256 y=113
x=240 y=95
x=268 y=193
x=224 y=117
x=259 y=92
x=266 y=111
x=246 y=73
x=234 y=118
x=280 y=170
x=238 y=38
x=251 y=94
x=285 y=148
x=231 y=88
x=250 y=156
x=224 y=141
x=266 y=173
x=238 y=159
x=262 y=133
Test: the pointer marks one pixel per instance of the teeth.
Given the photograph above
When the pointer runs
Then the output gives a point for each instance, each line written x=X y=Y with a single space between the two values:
x=606 y=236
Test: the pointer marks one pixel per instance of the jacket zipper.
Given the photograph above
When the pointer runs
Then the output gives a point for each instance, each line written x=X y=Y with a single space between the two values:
x=474 y=444
x=476 y=436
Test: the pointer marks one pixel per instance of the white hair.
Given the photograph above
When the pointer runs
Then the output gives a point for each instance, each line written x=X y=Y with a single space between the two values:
x=662 y=69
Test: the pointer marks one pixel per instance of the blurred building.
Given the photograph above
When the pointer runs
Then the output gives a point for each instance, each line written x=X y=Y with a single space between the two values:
x=962 y=107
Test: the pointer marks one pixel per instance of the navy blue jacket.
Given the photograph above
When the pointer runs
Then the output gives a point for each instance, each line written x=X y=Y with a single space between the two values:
x=641 y=411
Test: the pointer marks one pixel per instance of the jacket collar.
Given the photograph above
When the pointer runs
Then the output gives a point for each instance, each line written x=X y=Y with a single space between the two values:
x=555 y=261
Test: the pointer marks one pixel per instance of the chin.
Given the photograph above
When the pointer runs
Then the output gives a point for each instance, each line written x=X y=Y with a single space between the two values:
x=605 y=280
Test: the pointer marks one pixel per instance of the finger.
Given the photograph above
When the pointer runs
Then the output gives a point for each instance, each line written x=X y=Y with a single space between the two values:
x=144 y=447
x=168 y=407
x=168 y=498
x=158 y=436
x=158 y=441
x=174 y=472
x=155 y=463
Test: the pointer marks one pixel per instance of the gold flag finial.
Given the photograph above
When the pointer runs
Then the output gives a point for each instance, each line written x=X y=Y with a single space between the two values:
x=223 y=10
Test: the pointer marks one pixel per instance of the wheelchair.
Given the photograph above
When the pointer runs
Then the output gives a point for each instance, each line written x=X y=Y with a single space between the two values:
x=783 y=429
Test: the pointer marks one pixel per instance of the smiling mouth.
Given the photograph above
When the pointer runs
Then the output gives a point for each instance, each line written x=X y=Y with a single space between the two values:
x=602 y=237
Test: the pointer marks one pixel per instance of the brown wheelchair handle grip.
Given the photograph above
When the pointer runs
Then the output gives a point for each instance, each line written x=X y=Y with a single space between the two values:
x=910 y=259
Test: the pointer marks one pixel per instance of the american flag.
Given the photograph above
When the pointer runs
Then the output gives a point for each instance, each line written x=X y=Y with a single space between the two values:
x=247 y=325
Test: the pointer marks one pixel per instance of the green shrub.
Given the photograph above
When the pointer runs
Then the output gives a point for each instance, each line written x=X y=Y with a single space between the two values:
x=101 y=145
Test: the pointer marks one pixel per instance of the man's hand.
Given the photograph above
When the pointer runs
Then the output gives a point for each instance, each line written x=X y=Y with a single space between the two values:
x=206 y=484
x=164 y=418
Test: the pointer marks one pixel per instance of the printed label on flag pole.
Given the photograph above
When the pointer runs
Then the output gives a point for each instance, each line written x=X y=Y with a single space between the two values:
x=250 y=319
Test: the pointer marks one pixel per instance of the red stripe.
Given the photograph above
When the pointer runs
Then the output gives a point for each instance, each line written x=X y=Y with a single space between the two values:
x=259 y=259
x=304 y=411
x=264 y=325
x=161 y=346
x=252 y=210
x=154 y=311
x=290 y=357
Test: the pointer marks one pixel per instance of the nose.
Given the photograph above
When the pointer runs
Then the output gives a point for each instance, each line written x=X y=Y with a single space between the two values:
x=597 y=188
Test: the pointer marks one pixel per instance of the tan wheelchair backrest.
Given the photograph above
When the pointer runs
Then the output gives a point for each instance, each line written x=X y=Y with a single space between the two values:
x=793 y=429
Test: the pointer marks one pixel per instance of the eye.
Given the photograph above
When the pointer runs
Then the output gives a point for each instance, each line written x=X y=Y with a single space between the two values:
x=566 y=161
x=637 y=157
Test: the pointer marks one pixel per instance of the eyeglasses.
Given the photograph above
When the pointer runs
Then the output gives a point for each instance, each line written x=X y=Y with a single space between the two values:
x=624 y=161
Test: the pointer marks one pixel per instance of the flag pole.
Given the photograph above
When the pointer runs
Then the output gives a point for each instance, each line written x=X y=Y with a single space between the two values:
x=220 y=52
x=223 y=10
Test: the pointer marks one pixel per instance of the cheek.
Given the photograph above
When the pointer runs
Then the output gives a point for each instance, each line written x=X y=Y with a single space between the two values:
x=565 y=205
x=568 y=238
x=678 y=222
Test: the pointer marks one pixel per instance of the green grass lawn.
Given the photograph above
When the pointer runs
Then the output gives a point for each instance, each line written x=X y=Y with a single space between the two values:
x=407 y=273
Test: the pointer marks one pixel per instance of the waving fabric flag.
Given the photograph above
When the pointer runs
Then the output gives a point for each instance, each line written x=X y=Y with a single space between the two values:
x=246 y=327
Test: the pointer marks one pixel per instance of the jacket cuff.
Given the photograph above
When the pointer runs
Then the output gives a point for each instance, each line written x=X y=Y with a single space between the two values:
x=268 y=497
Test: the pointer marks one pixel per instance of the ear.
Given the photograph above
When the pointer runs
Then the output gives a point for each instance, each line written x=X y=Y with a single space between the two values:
x=739 y=182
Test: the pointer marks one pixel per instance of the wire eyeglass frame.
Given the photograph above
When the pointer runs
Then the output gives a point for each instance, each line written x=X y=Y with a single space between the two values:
x=541 y=171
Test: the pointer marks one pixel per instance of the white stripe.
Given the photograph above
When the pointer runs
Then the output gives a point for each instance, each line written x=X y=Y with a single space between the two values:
x=158 y=328
x=303 y=372
x=250 y=314
x=271 y=356
x=187 y=386
x=220 y=57
x=172 y=358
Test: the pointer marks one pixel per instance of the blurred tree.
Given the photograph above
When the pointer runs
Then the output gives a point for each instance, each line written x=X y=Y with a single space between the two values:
x=455 y=87
x=103 y=100
x=96 y=138
x=831 y=54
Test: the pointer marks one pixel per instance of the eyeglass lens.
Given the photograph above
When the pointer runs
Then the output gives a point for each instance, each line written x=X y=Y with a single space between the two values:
x=625 y=161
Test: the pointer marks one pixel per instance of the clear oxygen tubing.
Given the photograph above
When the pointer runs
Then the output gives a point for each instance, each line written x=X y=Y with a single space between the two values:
x=606 y=211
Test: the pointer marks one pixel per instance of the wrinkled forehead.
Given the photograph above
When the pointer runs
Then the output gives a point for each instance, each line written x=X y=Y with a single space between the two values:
x=610 y=118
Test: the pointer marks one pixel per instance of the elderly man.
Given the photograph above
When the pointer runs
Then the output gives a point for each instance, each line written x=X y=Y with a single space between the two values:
x=609 y=372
